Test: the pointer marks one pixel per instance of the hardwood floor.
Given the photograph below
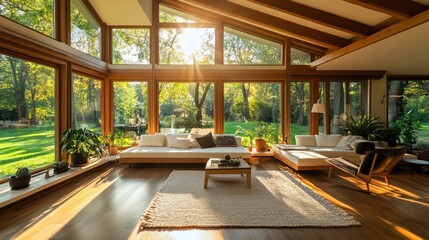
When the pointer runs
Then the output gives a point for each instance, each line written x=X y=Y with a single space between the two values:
x=107 y=203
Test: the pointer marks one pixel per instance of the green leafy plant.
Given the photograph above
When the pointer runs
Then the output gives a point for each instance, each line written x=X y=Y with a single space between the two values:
x=60 y=167
x=366 y=126
x=82 y=141
x=22 y=172
x=409 y=125
x=390 y=135
x=115 y=139
x=247 y=134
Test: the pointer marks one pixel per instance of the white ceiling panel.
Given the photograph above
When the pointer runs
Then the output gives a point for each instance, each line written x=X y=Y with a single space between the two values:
x=123 y=12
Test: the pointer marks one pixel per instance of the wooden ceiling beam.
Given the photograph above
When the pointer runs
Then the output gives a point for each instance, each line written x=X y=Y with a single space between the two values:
x=318 y=16
x=378 y=36
x=272 y=23
x=400 y=9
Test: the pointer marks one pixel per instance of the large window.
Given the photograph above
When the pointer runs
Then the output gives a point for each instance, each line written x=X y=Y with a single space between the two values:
x=247 y=105
x=183 y=106
x=243 y=48
x=408 y=101
x=186 y=45
x=300 y=109
x=86 y=111
x=130 y=107
x=345 y=101
x=193 y=44
x=27 y=115
x=38 y=15
x=85 y=30
x=131 y=46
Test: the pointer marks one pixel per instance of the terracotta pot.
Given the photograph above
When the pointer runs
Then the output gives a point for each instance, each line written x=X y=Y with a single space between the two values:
x=261 y=145
x=113 y=150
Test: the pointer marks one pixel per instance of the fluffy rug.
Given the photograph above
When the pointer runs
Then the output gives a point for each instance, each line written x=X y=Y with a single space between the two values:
x=276 y=199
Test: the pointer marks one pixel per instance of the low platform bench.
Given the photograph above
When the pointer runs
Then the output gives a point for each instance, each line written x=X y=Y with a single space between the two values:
x=164 y=148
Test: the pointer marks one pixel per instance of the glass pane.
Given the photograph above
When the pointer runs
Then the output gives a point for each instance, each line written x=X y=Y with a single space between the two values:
x=408 y=100
x=344 y=103
x=130 y=109
x=131 y=46
x=321 y=116
x=243 y=48
x=85 y=30
x=186 y=45
x=27 y=115
x=86 y=111
x=300 y=109
x=299 y=57
x=183 y=106
x=37 y=15
x=247 y=105
x=170 y=15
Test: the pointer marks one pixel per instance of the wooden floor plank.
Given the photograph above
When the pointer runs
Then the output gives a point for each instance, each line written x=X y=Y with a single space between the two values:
x=108 y=202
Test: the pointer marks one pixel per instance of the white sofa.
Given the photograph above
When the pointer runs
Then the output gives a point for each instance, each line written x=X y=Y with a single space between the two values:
x=310 y=151
x=153 y=149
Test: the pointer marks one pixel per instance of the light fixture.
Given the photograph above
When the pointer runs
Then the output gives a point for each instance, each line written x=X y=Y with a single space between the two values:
x=318 y=107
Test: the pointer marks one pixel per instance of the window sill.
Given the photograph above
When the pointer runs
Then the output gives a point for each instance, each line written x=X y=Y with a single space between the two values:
x=39 y=183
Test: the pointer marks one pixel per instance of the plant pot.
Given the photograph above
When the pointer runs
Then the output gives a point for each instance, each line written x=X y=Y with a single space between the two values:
x=79 y=159
x=113 y=150
x=261 y=145
x=61 y=169
x=250 y=149
x=19 y=183
x=135 y=144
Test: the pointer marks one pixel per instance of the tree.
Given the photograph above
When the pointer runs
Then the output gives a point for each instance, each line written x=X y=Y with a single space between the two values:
x=199 y=102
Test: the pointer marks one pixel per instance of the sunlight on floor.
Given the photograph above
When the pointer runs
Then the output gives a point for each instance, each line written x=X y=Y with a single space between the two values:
x=65 y=209
x=404 y=232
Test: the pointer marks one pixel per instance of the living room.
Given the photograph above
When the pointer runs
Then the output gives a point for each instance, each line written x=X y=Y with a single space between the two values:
x=132 y=71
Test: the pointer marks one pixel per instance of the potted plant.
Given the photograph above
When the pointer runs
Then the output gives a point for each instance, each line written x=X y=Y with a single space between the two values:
x=391 y=135
x=115 y=141
x=365 y=126
x=21 y=179
x=80 y=144
x=262 y=130
x=409 y=126
x=247 y=136
x=60 y=167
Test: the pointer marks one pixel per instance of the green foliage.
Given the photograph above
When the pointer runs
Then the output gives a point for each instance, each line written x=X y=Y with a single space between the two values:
x=59 y=165
x=22 y=172
x=83 y=141
x=409 y=126
x=115 y=139
x=366 y=126
x=422 y=145
x=131 y=46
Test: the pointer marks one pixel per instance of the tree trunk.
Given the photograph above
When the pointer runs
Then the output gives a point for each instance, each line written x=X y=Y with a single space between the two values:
x=199 y=103
x=395 y=89
x=338 y=95
x=19 y=79
x=246 y=92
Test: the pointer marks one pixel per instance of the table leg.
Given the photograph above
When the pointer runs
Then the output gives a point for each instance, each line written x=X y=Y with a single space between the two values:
x=206 y=179
x=249 y=180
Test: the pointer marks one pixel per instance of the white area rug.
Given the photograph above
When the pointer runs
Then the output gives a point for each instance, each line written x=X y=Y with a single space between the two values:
x=276 y=199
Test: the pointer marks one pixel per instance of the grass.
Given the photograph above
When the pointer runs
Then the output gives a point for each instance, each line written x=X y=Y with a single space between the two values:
x=31 y=147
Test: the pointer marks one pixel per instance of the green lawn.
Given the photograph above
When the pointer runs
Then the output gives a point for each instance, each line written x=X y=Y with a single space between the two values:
x=30 y=147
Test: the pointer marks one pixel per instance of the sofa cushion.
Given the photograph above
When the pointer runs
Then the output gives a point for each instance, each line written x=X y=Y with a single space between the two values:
x=194 y=142
x=305 y=140
x=206 y=141
x=325 y=140
x=152 y=140
x=238 y=139
x=226 y=141
x=182 y=143
x=345 y=142
x=171 y=137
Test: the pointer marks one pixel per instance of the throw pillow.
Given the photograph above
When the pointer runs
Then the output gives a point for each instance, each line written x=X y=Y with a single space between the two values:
x=345 y=142
x=193 y=137
x=182 y=143
x=226 y=141
x=330 y=140
x=152 y=141
x=305 y=140
x=206 y=141
x=171 y=137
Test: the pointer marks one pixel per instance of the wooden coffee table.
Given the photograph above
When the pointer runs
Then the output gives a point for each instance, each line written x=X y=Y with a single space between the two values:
x=244 y=168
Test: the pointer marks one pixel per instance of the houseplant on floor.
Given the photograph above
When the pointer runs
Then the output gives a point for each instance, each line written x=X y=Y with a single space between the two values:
x=80 y=144
x=21 y=179
x=364 y=125
x=262 y=130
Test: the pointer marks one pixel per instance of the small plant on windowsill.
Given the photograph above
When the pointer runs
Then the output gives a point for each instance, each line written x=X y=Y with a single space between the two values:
x=60 y=167
x=21 y=179
x=247 y=136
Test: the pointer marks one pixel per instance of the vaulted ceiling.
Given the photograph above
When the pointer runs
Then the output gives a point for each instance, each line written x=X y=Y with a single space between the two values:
x=353 y=34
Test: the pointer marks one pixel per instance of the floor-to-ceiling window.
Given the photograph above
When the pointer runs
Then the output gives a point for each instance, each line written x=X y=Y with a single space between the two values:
x=300 y=109
x=131 y=45
x=184 y=106
x=130 y=114
x=408 y=108
x=86 y=100
x=27 y=115
x=345 y=102
x=249 y=105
